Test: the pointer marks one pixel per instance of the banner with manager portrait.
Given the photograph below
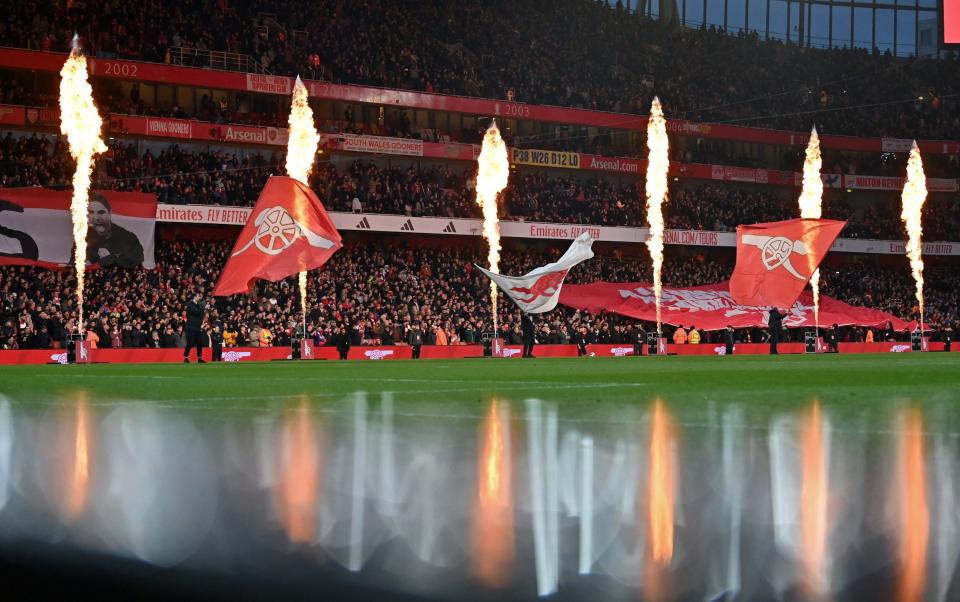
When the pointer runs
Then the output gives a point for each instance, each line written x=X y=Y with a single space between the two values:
x=36 y=228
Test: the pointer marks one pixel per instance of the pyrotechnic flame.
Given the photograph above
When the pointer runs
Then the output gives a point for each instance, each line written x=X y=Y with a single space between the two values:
x=914 y=511
x=662 y=482
x=300 y=474
x=80 y=123
x=813 y=503
x=914 y=195
x=658 y=163
x=811 y=206
x=302 y=144
x=493 y=171
x=493 y=535
x=302 y=282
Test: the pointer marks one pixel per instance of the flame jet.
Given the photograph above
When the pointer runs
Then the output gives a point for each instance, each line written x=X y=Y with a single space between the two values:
x=913 y=198
x=80 y=122
x=658 y=163
x=811 y=206
x=493 y=172
x=302 y=145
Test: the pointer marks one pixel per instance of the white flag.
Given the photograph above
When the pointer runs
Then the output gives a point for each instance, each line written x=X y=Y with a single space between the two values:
x=538 y=291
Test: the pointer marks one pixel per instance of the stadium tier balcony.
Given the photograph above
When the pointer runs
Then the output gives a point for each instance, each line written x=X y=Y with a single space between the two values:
x=703 y=74
x=180 y=176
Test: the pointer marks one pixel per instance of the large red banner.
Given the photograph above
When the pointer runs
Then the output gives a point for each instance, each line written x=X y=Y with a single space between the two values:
x=712 y=307
x=36 y=228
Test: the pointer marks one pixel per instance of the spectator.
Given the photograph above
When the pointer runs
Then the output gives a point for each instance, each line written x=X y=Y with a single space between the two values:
x=265 y=337
x=230 y=336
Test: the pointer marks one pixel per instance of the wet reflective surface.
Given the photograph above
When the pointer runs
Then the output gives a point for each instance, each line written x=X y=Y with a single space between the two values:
x=510 y=501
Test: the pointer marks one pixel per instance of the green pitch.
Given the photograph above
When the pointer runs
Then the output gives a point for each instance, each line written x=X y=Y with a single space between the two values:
x=850 y=387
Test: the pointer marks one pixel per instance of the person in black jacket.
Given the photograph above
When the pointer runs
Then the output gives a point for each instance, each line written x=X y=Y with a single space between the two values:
x=216 y=339
x=833 y=339
x=638 y=336
x=579 y=338
x=415 y=340
x=342 y=339
x=775 y=325
x=528 y=330
x=386 y=332
x=107 y=243
x=194 y=333
x=729 y=340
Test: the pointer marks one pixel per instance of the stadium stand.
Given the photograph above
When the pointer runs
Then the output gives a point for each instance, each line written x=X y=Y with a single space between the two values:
x=485 y=49
x=468 y=49
x=378 y=290
x=179 y=176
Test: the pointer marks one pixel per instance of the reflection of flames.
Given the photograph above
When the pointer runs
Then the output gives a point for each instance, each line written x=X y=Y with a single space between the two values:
x=914 y=195
x=661 y=489
x=492 y=541
x=662 y=475
x=811 y=206
x=79 y=479
x=493 y=171
x=80 y=123
x=914 y=512
x=813 y=501
x=302 y=146
x=299 y=476
x=658 y=163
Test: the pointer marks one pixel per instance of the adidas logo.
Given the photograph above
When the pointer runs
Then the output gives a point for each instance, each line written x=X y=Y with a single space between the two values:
x=450 y=228
x=407 y=227
x=363 y=224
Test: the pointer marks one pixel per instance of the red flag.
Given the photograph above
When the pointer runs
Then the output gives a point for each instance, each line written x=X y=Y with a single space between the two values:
x=288 y=232
x=775 y=260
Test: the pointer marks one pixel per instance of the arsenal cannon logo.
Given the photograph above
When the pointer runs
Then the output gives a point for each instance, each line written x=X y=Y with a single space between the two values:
x=776 y=250
x=277 y=230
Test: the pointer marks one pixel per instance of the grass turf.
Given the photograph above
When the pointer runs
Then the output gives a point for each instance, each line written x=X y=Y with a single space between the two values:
x=849 y=386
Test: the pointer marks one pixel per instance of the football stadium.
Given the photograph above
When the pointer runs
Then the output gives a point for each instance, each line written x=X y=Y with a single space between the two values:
x=476 y=300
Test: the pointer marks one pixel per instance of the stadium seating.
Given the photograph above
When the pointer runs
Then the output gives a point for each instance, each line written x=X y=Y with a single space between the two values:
x=377 y=288
x=179 y=176
x=475 y=49
x=485 y=49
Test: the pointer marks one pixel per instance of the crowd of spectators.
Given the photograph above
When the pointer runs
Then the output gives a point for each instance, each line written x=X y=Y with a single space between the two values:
x=176 y=175
x=442 y=190
x=563 y=52
x=181 y=176
x=376 y=292
x=891 y=290
x=264 y=110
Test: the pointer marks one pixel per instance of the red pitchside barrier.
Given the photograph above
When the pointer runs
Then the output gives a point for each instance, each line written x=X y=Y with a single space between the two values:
x=255 y=354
